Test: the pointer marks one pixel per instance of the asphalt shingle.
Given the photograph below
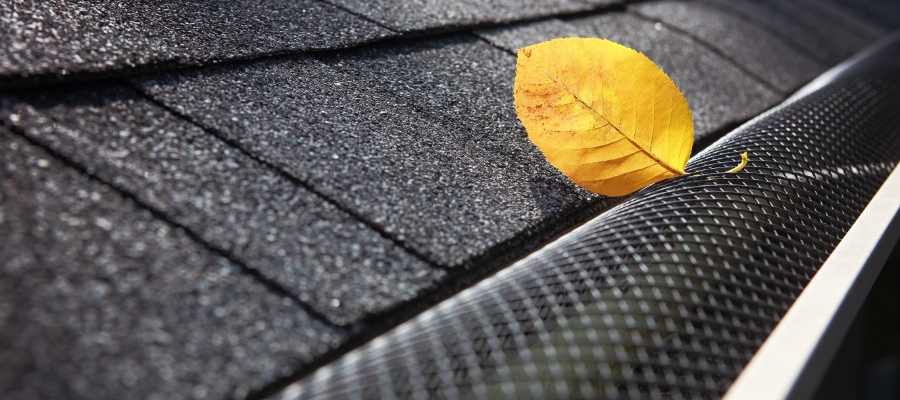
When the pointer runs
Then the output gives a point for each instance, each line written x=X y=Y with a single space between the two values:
x=885 y=13
x=421 y=15
x=426 y=184
x=828 y=42
x=718 y=92
x=324 y=256
x=838 y=16
x=514 y=37
x=55 y=38
x=751 y=46
x=461 y=81
x=100 y=300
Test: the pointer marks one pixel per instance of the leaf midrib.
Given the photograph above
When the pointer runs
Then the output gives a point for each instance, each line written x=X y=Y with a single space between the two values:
x=647 y=152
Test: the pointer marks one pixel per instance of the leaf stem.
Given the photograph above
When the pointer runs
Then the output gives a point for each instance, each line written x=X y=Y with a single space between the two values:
x=740 y=166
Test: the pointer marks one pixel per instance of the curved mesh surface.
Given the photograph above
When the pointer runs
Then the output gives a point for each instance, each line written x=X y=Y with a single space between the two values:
x=667 y=295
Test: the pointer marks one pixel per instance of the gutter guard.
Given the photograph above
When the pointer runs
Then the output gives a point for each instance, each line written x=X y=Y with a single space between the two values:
x=794 y=358
x=671 y=293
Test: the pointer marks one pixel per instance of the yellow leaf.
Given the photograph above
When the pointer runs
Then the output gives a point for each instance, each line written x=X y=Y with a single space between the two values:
x=603 y=114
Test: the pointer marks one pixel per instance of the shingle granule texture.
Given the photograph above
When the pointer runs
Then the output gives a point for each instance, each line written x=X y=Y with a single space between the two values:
x=464 y=83
x=100 y=300
x=828 y=42
x=424 y=182
x=324 y=256
x=718 y=92
x=885 y=13
x=838 y=16
x=763 y=54
x=62 y=37
x=514 y=37
x=444 y=14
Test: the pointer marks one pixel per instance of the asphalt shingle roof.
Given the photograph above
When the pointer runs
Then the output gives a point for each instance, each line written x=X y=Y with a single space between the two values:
x=406 y=16
x=885 y=14
x=208 y=202
x=100 y=299
x=458 y=80
x=424 y=183
x=51 y=39
x=753 y=47
x=310 y=247
x=845 y=17
x=719 y=93
x=808 y=32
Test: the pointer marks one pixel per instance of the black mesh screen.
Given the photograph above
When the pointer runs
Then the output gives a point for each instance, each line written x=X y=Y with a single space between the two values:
x=667 y=295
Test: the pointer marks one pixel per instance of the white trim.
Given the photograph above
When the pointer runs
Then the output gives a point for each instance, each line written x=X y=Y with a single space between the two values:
x=793 y=359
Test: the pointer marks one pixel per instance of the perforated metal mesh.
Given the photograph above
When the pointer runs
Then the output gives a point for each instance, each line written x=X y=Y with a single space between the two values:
x=669 y=294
